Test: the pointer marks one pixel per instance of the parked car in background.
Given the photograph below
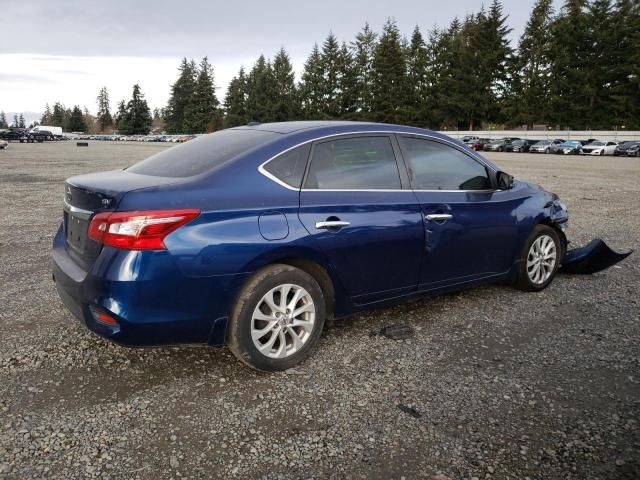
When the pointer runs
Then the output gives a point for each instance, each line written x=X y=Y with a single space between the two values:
x=478 y=144
x=3 y=144
x=519 y=146
x=254 y=236
x=628 y=149
x=545 y=146
x=500 y=144
x=569 y=147
x=468 y=138
x=598 y=147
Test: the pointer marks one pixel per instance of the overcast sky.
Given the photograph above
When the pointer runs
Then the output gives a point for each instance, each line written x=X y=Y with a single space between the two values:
x=65 y=50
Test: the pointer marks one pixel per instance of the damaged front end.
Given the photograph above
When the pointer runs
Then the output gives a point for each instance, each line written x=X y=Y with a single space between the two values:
x=592 y=258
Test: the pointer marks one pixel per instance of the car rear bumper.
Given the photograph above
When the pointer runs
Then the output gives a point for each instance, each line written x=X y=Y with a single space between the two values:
x=151 y=300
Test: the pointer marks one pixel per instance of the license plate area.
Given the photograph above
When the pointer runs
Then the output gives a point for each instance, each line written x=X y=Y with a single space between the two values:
x=76 y=232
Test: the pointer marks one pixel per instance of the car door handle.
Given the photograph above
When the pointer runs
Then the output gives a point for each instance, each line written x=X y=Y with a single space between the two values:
x=437 y=217
x=332 y=224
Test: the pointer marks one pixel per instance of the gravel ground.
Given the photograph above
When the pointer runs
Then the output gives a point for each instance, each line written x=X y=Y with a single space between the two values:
x=494 y=383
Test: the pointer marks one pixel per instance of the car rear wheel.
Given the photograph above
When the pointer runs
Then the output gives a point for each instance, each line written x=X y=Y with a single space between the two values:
x=540 y=259
x=277 y=319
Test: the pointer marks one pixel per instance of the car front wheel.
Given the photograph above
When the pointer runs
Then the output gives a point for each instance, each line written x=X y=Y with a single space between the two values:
x=540 y=259
x=277 y=319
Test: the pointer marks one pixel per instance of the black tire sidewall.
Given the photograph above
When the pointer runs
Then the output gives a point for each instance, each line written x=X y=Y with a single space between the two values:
x=239 y=337
x=524 y=282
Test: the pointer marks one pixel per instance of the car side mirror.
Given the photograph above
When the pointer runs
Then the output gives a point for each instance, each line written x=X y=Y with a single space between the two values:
x=505 y=181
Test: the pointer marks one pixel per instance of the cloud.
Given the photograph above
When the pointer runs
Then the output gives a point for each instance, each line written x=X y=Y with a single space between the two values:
x=22 y=78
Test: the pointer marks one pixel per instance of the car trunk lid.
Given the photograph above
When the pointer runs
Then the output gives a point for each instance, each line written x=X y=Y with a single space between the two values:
x=86 y=195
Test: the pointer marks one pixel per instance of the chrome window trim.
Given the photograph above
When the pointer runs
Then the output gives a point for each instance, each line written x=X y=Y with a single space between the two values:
x=275 y=179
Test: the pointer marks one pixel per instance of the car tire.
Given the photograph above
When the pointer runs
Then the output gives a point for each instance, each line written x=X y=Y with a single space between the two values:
x=547 y=151
x=252 y=315
x=602 y=153
x=535 y=271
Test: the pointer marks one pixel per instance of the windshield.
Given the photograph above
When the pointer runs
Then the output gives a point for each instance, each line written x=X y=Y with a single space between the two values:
x=202 y=154
x=597 y=143
x=571 y=144
x=543 y=142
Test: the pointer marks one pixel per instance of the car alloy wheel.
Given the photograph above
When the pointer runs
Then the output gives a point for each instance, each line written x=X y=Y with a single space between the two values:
x=283 y=321
x=541 y=259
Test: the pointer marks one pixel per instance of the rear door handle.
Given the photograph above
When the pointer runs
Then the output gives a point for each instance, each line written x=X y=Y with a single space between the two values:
x=438 y=217
x=332 y=224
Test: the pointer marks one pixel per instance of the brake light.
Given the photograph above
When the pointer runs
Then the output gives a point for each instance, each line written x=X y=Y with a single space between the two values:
x=139 y=230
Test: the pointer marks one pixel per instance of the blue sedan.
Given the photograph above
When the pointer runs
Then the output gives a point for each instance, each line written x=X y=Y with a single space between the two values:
x=255 y=236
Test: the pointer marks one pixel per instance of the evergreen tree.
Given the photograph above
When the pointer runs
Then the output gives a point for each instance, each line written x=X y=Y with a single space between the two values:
x=417 y=76
x=105 y=121
x=137 y=117
x=58 y=116
x=120 y=119
x=529 y=95
x=348 y=84
x=21 y=123
x=235 y=103
x=389 y=80
x=76 y=121
x=312 y=87
x=625 y=58
x=330 y=87
x=363 y=51
x=202 y=113
x=285 y=99
x=3 y=120
x=16 y=122
x=181 y=96
x=568 y=50
x=46 y=116
x=261 y=92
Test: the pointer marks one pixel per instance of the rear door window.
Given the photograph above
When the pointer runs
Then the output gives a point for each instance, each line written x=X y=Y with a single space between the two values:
x=202 y=154
x=435 y=166
x=355 y=163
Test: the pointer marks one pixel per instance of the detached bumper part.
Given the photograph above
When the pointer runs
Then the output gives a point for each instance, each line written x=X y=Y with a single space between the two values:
x=592 y=258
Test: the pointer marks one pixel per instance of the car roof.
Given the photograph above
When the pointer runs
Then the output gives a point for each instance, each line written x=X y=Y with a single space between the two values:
x=321 y=128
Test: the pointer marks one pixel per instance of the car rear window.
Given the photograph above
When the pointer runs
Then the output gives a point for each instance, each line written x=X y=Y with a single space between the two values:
x=202 y=154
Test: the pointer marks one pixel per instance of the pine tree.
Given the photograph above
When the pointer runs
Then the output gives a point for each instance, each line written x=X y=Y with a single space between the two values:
x=330 y=87
x=58 y=116
x=76 y=121
x=46 y=116
x=120 y=118
x=493 y=52
x=529 y=96
x=285 y=101
x=261 y=92
x=311 y=87
x=181 y=94
x=235 y=102
x=105 y=121
x=417 y=77
x=136 y=119
x=363 y=51
x=625 y=58
x=348 y=84
x=16 y=122
x=389 y=81
x=3 y=120
x=568 y=49
x=202 y=113
x=21 y=123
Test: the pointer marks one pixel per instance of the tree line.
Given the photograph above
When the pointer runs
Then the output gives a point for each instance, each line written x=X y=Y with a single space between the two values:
x=576 y=68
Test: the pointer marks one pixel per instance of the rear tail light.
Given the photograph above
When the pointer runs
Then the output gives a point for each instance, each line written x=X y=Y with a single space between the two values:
x=139 y=230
